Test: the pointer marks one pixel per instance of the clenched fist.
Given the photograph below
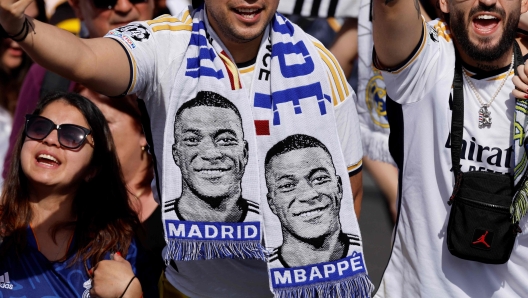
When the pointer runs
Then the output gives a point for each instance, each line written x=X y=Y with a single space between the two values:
x=12 y=15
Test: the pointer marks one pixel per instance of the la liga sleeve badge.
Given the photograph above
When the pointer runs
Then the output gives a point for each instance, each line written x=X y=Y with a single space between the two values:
x=137 y=32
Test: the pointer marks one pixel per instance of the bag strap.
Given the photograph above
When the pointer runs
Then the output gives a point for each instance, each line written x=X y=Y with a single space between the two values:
x=457 y=119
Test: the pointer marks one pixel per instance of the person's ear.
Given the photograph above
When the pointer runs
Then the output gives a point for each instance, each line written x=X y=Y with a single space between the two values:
x=524 y=6
x=246 y=152
x=444 y=6
x=175 y=155
x=76 y=6
x=143 y=141
x=271 y=204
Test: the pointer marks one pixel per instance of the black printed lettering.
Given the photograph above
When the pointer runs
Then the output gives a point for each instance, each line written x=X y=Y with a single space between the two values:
x=267 y=72
x=509 y=152
x=463 y=151
x=498 y=155
x=471 y=149
x=493 y=157
x=479 y=153
x=266 y=56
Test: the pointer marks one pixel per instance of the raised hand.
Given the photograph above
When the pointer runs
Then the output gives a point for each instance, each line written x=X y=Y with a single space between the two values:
x=115 y=278
x=521 y=82
x=12 y=15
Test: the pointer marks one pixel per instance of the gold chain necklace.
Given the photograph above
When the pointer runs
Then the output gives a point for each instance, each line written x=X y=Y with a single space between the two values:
x=484 y=114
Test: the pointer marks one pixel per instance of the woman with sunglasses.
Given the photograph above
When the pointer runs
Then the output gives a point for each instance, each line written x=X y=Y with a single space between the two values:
x=64 y=206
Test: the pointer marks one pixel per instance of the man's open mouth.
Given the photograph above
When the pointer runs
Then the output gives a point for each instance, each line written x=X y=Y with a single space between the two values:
x=486 y=23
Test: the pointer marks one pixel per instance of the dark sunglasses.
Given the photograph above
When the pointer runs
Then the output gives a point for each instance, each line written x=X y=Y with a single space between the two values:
x=70 y=135
x=109 y=4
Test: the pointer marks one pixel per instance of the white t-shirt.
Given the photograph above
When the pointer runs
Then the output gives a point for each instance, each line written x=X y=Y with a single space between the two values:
x=420 y=264
x=156 y=50
x=372 y=107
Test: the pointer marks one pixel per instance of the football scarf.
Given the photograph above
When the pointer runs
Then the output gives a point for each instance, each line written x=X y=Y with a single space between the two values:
x=520 y=200
x=263 y=164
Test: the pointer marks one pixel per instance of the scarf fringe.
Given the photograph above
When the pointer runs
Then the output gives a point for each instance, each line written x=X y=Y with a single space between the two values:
x=375 y=145
x=190 y=250
x=358 y=286
x=519 y=207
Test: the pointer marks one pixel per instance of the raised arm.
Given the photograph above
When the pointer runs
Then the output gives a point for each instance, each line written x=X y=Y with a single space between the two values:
x=397 y=28
x=345 y=47
x=523 y=22
x=100 y=63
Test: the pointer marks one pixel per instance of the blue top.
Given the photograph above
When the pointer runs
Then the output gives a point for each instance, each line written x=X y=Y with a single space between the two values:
x=31 y=274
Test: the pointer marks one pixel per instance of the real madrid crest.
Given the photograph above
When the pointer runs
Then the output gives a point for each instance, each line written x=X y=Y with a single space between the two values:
x=375 y=99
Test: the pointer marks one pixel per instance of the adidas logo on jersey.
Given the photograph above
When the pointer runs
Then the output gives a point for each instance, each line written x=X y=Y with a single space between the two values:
x=4 y=282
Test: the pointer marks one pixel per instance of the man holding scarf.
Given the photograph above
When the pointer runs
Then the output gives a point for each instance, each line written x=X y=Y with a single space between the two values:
x=461 y=68
x=282 y=82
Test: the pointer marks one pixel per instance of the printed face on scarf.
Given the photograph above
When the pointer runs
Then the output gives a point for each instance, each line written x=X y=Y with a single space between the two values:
x=240 y=21
x=210 y=150
x=305 y=192
x=484 y=29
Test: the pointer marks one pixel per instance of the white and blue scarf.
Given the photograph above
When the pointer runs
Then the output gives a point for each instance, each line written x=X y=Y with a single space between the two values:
x=290 y=98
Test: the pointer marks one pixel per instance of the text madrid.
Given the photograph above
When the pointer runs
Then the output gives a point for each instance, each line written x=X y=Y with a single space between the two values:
x=213 y=230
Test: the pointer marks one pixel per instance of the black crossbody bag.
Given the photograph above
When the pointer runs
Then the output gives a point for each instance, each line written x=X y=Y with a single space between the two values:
x=479 y=227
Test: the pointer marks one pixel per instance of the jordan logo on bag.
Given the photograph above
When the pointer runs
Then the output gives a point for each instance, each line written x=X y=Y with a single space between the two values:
x=482 y=239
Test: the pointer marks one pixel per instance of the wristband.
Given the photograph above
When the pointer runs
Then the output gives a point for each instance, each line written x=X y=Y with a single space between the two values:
x=131 y=280
x=24 y=32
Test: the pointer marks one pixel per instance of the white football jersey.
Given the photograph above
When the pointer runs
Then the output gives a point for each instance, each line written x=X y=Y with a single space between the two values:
x=420 y=264
x=372 y=107
x=156 y=51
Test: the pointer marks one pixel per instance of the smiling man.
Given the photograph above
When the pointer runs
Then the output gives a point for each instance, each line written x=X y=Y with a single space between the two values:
x=210 y=150
x=450 y=82
x=305 y=193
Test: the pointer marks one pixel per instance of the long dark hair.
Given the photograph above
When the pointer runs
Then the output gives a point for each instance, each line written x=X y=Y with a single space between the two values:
x=105 y=222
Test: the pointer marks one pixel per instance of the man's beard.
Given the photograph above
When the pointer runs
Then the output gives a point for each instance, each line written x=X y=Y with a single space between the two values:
x=483 y=51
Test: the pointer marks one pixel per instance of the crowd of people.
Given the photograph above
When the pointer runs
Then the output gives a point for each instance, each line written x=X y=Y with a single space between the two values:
x=215 y=148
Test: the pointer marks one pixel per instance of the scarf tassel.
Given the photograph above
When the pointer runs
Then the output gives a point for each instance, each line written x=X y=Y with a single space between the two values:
x=520 y=203
x=189 y=250
x=358 y=286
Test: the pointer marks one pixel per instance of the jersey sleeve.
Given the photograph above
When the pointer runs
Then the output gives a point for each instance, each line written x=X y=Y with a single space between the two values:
x=346 y=116
x=347 y=121
x=153 y=48
x=429 y=61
